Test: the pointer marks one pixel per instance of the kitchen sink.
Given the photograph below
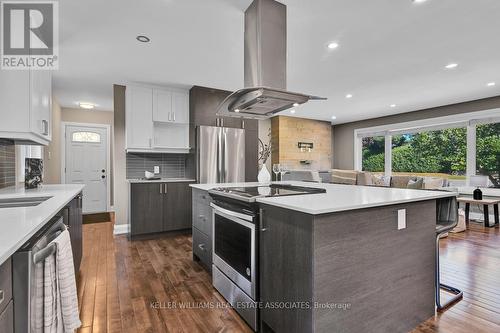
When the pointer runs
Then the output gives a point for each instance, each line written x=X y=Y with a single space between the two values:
x=22 y=202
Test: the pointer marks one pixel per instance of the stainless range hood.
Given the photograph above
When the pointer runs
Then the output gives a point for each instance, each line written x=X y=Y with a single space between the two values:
x=265 y=66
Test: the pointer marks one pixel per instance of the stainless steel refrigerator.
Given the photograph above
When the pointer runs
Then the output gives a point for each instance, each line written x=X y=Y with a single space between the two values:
x=220 y=154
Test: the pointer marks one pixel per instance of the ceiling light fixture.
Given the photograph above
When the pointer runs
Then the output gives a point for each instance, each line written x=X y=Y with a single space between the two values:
x=348 y=96
x=491 y=84
x=419 y=1
x=292 y=111
x=143 y=39
x=333 y=117
x=236 y=110
x=333 y=45
x=392 y=105
x=88 y=106
x=295 y=104
x=451 y=66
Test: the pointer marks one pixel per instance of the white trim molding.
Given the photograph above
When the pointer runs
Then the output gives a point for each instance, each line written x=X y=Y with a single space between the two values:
x=120 y=229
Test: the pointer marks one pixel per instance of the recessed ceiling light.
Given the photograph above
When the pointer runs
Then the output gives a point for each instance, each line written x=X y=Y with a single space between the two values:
x=143 y=39
x=451 y=66
x=348 y=96
x=333 y=117
x=392 y=105
x=491 y=84
x=333 y=45
x=88 y=106
x=295 y=104
x=236 y=110
x=292 y=111
x=419 y=1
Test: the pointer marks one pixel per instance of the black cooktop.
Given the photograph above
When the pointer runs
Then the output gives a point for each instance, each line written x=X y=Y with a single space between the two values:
x=274 y=190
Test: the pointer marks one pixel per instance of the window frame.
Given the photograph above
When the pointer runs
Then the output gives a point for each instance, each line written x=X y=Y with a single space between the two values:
x=465 y=120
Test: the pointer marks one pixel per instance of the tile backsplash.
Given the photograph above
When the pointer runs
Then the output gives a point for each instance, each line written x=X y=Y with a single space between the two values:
x=171 y=165
x=7 y=163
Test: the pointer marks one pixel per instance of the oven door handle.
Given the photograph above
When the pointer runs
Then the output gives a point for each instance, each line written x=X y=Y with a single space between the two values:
x=233 y=215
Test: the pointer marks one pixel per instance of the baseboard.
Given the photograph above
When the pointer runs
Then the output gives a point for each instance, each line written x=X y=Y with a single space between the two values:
x=120 y=229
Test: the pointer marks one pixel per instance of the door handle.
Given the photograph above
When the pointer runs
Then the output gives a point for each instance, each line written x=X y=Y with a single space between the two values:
x=165 y=188
x=173 y=115
x=161 y=188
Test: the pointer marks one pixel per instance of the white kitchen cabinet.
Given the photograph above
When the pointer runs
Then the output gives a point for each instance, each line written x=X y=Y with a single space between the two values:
x=139 y=121
x=26 y=106
x=157 y=119
x=162 y=105
x=170 y=106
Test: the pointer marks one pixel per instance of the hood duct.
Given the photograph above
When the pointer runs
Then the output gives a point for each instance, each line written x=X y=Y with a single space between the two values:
x=265 y=66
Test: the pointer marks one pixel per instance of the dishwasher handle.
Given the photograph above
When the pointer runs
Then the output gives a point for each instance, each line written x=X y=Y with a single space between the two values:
x=50 y=249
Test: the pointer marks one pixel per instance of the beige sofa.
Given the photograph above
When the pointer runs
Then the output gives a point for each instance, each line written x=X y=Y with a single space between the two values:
x=353 y=177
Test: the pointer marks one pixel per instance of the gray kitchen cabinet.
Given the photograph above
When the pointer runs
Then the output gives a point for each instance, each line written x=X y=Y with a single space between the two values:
x=202 y=228
x=159 y=207
x=6 y=303
x=5 y=284
x=7 y=319
x=73 y=220
x=177 y=210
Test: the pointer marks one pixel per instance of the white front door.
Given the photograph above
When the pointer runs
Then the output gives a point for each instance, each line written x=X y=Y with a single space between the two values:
x=86 y=163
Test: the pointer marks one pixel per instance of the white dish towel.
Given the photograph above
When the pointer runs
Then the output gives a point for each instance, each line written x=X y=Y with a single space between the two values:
x=61 y=313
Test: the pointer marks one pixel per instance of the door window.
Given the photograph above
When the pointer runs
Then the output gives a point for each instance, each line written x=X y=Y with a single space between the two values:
x=90 y=137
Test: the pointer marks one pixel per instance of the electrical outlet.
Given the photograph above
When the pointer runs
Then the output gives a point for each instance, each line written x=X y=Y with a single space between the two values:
x=401 y=219
x=156 y=169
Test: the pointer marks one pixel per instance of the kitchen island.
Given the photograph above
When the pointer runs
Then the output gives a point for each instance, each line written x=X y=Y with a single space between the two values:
x=353 y=259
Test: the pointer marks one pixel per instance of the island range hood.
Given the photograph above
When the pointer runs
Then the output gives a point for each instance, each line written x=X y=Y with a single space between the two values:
x=265 y=66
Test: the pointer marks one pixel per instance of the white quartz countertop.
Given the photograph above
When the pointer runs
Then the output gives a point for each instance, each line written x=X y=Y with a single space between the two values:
x=19 y=224
x=162 y=180
x=340 y=197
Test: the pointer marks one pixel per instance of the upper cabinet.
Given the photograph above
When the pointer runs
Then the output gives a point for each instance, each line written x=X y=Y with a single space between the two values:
x=170 y=106
x=157 y=119
x=26 y=106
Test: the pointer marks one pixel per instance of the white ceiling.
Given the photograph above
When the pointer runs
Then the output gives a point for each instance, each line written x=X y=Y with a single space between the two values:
x=391 y=52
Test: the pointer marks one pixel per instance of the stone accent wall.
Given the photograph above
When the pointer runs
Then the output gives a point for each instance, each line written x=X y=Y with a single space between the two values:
x=287 y=132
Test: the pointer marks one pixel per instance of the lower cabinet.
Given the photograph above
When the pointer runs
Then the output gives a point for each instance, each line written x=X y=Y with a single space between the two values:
x=73 y=220
x=202 y=228
x=159 y=207
x=7 y=319
x=6 y=303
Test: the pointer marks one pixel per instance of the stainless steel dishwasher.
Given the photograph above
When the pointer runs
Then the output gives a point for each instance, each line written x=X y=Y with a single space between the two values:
x=24 y=264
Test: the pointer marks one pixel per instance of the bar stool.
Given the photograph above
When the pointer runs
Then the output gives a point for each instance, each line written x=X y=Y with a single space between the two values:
x=446 y=221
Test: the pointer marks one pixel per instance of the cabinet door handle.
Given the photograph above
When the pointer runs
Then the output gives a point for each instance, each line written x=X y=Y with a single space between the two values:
x=173 y=115
x=201 y=247
x=45 y=127
x=222 y=122
x=161 y=188
x=165 y=188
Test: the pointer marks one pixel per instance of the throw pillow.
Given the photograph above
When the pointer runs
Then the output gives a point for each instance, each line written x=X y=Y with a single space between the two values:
x=416 y=184
x=381 y=180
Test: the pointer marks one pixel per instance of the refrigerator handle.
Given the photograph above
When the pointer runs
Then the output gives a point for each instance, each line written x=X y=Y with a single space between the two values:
x=225 y=157
x=219 y=157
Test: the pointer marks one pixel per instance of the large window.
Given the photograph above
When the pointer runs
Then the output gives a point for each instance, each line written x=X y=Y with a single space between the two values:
x=373 y=153
x=488 y=152
x=454 y=147
x=440 y=153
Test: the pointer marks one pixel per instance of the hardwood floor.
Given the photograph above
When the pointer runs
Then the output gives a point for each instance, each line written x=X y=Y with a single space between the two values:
x=127 y=286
